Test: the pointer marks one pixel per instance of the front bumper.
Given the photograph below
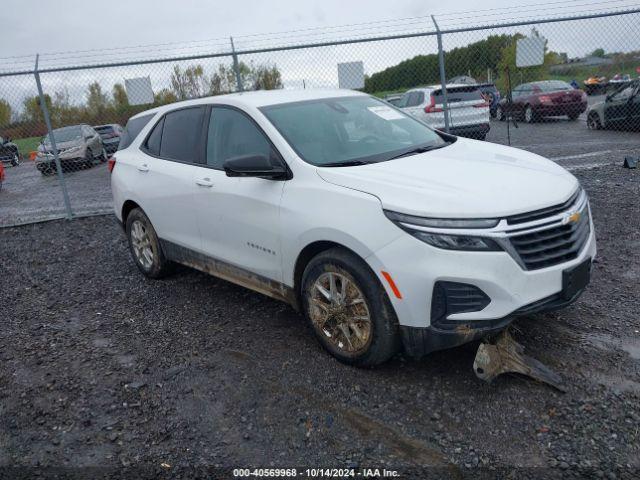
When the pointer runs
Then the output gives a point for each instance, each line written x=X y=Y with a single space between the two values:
x=421 y=341
x=513 y=290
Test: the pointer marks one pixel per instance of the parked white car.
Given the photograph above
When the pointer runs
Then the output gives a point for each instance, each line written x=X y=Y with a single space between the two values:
x=383 y=232
x=468 y=109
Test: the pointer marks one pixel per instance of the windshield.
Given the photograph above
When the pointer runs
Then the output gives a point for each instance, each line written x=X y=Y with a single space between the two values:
x=554 y=86
x=347 y=130
x=65 y=134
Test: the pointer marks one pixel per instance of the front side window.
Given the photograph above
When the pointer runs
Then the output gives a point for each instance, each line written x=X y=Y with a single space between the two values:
x=334 y=131
x=181 y=134
x=232 y=134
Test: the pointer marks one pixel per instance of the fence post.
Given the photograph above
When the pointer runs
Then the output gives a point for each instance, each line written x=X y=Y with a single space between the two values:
x=47 y=120
x=443 y=78
x=236 y=67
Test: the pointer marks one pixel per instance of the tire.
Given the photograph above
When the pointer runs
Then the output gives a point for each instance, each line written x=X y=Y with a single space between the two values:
x=500 y=114
x=152 y=264
x=593 y=122
x=529 y=114
x=88 y=159
x=103 y=156
x=46 y=169
x=341 y=328
x=16 y=160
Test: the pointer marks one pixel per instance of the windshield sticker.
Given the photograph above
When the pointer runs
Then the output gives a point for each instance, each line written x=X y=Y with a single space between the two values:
x=386 y=112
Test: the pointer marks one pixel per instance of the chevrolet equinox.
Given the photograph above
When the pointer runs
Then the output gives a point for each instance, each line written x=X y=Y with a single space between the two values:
x=383 y=232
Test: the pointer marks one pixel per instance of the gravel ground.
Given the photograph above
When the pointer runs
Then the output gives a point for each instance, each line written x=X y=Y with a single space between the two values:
x=100 y=367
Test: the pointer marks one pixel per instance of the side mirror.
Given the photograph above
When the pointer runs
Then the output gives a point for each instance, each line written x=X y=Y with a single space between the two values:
x=254 y=166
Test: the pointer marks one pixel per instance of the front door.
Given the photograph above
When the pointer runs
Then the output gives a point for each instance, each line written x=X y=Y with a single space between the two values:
x=239 y=218
x=617 y=107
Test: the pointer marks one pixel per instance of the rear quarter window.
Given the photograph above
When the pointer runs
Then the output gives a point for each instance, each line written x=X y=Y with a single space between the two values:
x=133 y=128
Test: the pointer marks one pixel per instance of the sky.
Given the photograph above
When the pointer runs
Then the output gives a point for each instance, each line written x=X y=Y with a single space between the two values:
x=69 y=32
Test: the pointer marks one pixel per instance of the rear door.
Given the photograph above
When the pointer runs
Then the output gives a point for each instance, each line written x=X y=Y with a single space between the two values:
x=164 y=175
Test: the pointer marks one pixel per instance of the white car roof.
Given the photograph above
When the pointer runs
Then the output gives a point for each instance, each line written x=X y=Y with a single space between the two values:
x=258 y=98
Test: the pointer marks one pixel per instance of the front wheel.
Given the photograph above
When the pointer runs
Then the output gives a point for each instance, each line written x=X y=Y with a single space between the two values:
x=593 y=122
x=529 y=115
x=15 y=161
x=348 y=309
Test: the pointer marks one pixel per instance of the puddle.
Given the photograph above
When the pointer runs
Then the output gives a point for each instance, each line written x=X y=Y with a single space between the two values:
x=608 y=342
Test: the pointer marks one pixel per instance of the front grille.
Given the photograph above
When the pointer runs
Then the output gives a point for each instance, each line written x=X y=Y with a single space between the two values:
x=552 y=246
x=543 y=212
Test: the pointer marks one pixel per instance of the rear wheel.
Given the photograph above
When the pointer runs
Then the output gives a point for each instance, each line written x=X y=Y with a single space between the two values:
x=348 y=309
x=145 y=247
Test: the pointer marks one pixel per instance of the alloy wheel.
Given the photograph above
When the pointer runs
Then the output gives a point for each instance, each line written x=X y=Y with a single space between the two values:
x=141 y=243
x=339 y=313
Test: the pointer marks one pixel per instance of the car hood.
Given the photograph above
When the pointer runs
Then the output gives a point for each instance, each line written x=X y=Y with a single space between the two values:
x=468 y=179
x=64 y=145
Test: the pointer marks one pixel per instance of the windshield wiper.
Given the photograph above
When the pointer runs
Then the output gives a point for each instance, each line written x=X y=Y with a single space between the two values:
x=349 y=163
x=417 y=150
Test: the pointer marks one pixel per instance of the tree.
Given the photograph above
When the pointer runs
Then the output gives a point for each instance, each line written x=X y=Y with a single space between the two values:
x=120 y=99
x=598 y=52
x=31 y=111
x=164 y=97
x=97 y=101
x=265 y=77
x=5 y=112
x=190 y=83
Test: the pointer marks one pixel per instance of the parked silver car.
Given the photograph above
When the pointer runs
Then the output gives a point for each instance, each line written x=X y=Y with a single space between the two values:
x=78 y=146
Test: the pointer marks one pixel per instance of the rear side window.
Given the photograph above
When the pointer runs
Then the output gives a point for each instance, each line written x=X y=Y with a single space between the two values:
x=181 y=135
x=133 y=128
x=232 y=134
x=459 y=94
x=153 y=141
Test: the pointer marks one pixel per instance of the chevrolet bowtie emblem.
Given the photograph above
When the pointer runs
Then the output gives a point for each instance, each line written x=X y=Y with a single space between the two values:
x=572 y=218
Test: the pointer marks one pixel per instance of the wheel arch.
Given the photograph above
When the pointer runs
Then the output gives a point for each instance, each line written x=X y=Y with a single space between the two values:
x=127 y=207
x=308 y=253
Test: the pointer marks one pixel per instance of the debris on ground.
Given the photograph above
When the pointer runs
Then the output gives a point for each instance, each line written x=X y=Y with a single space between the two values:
x=507 y=356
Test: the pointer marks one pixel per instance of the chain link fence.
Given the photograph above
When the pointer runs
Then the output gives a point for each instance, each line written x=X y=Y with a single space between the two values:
x=56 y=141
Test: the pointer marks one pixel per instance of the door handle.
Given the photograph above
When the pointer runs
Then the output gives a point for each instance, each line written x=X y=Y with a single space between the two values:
x=143 y=168
x=204 y=182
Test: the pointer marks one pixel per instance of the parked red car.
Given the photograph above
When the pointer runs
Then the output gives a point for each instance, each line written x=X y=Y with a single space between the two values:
x=548 y=98
x=1 y=175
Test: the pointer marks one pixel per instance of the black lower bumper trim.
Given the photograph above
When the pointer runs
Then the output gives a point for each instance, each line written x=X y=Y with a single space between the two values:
x=420 y=341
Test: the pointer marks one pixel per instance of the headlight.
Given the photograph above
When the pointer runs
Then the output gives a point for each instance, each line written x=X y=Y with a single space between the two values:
x=445 y=240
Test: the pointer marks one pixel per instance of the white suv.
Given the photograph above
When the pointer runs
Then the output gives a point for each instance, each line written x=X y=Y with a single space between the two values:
x=467 y=107
x=383 y=232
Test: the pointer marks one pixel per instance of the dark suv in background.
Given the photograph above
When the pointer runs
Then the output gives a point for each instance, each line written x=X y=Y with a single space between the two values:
x=548 y=98
x=9 y=152
x=110 y=134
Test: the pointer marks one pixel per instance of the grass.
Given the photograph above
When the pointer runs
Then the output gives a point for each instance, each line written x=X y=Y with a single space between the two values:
x=26 y=145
